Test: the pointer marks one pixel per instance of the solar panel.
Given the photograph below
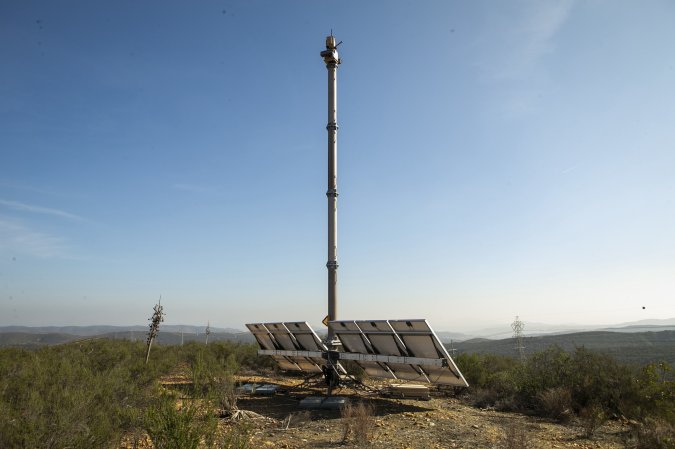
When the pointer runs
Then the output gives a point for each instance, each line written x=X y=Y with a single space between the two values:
x=400 y=349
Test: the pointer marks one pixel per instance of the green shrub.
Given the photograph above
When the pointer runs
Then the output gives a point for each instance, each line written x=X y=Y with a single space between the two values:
x=542 y=371
x=599 y=380
x=173 y=428
x=78 y=395
x=652 y=434
x=87 y=394
x=557 y=384
x=655 y=394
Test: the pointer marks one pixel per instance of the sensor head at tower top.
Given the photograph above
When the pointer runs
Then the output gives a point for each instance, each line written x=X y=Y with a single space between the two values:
x=330 y=54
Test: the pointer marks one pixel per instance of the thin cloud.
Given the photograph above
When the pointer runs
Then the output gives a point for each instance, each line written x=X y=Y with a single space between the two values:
x=39 y=210
x=515 y=63
x=15 y=238
x=530 y=37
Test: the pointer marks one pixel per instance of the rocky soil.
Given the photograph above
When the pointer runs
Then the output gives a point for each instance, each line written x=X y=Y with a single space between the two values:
x=444 y=421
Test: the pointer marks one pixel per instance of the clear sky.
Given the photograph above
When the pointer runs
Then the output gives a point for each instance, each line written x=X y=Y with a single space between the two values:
x=495 y=159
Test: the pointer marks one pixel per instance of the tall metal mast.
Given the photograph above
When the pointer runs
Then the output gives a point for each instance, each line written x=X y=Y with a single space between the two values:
x=330 y=57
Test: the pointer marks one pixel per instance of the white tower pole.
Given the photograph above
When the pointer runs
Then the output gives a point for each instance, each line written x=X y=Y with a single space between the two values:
x=330 y=57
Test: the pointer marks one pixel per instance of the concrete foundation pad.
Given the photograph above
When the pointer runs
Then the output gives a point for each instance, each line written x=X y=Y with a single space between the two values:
x=323 y=403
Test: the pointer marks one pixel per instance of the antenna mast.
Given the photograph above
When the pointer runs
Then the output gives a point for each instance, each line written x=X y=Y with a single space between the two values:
x=332 y=60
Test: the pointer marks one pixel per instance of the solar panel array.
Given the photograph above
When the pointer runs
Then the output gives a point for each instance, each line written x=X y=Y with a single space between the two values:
x=393 y=349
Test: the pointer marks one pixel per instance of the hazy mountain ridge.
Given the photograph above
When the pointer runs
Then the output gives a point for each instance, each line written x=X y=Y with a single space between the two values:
x=628 y=347
x=35 y=340
x=533 y=329
x=90 y=331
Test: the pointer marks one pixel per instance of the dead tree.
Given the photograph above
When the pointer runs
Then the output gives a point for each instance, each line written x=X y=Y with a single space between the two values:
x=157 y=317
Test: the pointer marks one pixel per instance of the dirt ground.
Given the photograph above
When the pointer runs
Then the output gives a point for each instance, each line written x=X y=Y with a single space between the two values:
x=444 y=421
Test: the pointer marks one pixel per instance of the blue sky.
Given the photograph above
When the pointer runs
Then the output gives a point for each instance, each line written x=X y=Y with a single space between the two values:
x=495 y=159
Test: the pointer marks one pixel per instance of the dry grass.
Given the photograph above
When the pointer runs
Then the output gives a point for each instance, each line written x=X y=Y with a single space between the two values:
x=357 y=422
x=515 y=437
x=591 y=418
x=556 y=403
x=295 y=419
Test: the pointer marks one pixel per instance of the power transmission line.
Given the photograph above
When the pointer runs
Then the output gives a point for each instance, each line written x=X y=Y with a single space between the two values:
x=518 y=327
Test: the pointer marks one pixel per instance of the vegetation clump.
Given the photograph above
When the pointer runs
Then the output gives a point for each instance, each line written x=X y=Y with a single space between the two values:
x=91 y=393
x=560 y=385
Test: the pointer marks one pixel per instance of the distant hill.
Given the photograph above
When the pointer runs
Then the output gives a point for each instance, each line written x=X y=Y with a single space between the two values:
x=633 y=347
x=640 y=328
x=26 y=339
x=89 y=331
x=452 y=336
x=173 y=338
x=537 y=329
x=652 y=322
x=34 y=340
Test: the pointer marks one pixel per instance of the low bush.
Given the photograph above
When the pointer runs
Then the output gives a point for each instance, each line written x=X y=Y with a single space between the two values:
x=652 y=434
x=591 y=418
x=557 y=384
x=484 y=397
x=171 y=427
x=556 y=403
